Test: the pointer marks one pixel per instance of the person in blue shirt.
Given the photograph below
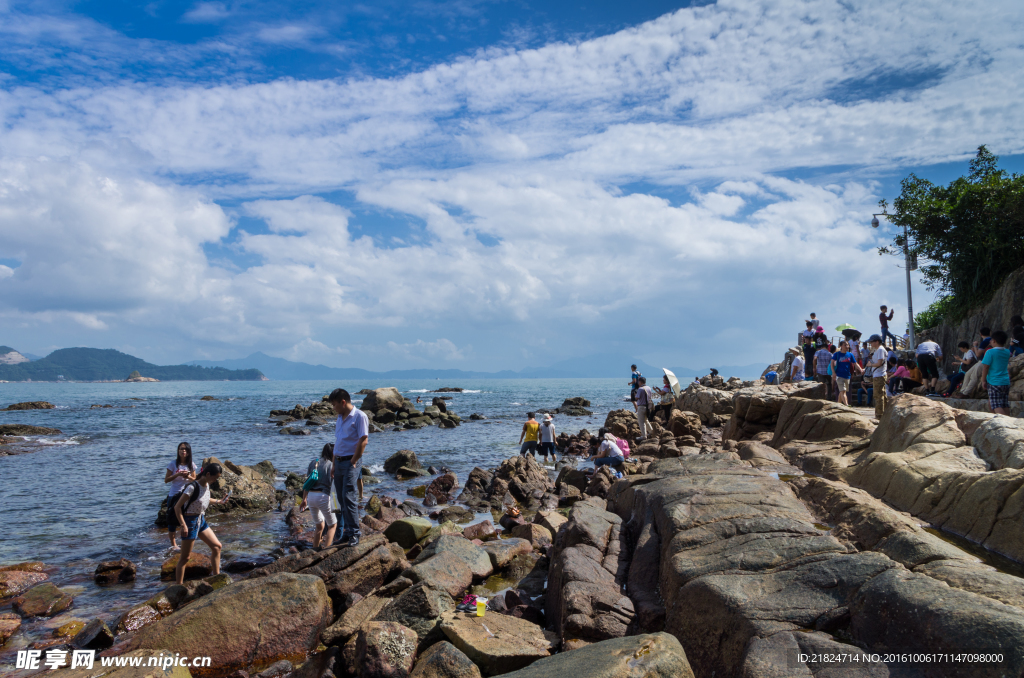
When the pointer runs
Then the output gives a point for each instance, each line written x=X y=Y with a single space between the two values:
x=995 y=374
x=843 y=366
x=634 y=384
x=351 y=433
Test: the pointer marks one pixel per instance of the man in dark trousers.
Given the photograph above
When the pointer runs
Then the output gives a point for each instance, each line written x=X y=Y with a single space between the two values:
x=884 y=320
x=351 y=432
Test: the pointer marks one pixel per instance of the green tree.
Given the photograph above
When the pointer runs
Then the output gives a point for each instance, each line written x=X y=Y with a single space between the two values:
x=970 y=233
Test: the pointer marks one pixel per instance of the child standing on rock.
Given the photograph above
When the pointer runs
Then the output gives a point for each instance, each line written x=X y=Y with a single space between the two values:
x=190 y=512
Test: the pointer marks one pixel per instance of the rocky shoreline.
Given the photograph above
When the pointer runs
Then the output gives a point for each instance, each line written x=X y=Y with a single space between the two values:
x=756 y=525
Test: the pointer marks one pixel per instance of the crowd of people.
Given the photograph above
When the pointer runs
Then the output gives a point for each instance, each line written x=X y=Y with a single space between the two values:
x=339 y=467
x=886 y=373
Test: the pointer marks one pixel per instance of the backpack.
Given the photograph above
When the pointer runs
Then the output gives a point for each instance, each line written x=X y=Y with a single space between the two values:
x=314 y=476
x=195 y=493
x=623 y=446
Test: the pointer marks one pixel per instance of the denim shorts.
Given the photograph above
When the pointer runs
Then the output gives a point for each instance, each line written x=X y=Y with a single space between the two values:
x=196 y=525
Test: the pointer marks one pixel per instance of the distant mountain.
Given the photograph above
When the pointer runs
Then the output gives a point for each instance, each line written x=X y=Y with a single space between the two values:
x=599 y=365
x=94 y=364
x=8 y=356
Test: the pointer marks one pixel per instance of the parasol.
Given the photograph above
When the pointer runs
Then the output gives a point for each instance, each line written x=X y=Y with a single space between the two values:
x=673 y=382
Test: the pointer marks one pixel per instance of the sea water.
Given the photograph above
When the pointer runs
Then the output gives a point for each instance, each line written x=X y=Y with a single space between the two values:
x=92 y=493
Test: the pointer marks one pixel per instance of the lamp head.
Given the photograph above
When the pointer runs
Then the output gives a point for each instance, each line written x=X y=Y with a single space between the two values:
x=874 y=222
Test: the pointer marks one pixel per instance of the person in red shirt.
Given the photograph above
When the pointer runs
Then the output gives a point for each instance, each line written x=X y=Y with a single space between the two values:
x=884 y=320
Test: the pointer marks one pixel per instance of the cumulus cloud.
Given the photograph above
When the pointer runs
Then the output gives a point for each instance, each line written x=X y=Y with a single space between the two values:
x=522 y=167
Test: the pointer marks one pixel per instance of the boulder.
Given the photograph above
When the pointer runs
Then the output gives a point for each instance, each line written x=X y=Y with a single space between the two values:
x=497 y=643
x=478 y=561
x=444 y=570
x=96 y=635
x=685 y=423
x=444 y=660
x=420 y=608
x=436 y=531
x=712 y=405
x=69 y=629
x=552 y=520
x=502 y=551
x=135 y=618
x=656 y=655
x=385 y=650
x=351 y=619
x=114 y=572
x=198 y=566
x=407 y=531
x=44 y=600
x=538 y=535
x=406 y=458
x=9 y=625
x=292 y=611
x=455 y=514
x=483 y=531
x=440 y=404
x=622 y=424
x=383 y=399
x=442 y=486
x=13 y=582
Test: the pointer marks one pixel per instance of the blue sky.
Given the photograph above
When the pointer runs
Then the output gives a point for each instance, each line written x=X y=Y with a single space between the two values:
x=477 y=185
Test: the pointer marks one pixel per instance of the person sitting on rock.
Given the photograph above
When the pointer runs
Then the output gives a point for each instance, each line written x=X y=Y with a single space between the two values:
x=965 y=363
x=530 y=436
x=317 y=497
x=607 y=452
x=190 y=512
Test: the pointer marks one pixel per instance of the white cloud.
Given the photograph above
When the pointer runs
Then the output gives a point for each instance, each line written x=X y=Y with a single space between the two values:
x=207 y=12
x=317 y=353
x=525 y=148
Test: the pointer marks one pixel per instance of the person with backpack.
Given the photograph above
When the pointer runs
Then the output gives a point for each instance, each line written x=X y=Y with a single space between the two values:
x=190 y=512
x=179 y=473
x=645 y=404
x=316 y=495
x=547 y=438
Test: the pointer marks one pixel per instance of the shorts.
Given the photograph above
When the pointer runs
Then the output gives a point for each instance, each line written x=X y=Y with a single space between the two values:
x=998 y=396
x=547 y=448
x=320 y=508
x=529 y=446
x=632 y=395
x=172 y=523
x=844 y=384
x=929 y=368
x=196 y=526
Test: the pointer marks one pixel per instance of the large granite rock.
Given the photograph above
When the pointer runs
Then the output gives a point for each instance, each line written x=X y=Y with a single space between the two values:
x=656 y=655
x=251 y=488
x=407 y=531
x=384 y=650
x=477 y=559
x=383 y=399
x=248 y=625
x=445 y=570
x=497 y=643
x=419 y=607
x=13 y=582
x=400 y=459
x=44 y=600
x=713 y=406
x=444 y=660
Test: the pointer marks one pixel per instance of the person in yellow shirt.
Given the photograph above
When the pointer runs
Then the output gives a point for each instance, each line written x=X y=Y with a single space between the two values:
x=530 y=437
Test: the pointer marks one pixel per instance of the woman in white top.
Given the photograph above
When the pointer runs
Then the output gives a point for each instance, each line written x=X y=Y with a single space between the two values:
x=179 y=473
x=547 y=438
x=608 y=452
x=190 y=512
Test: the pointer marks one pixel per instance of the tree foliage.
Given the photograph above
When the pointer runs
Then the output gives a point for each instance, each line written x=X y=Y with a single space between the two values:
x=969 y=234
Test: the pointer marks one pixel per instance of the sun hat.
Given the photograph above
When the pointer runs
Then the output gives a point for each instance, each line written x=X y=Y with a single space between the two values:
x=820 y=328
x=548 y=417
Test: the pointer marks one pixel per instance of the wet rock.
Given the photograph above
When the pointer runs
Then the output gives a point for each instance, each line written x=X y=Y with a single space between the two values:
x=509 y=522
x=197 y=566
x=96 y=635
x=114 y=572
x=9 y=625
x=135 y=618
x=69 y=629
x=437 y=530
x=477 y=417
x=295 y=431
x=498 y=643
x=13 y=582
x=224 y=626
x=29 y=566
x=241 y=564
x=502 y=551
x=538 y=535
x=442 y=486
x=444 y=660
x=26 y=430
x=33 y=405
x=407 y=473
x=407 y=531
x=474 y=493
x=420 y=608
x=385 y=650
x=483 y=531
x=207 y=398
x=656 y=655
x=43 y=600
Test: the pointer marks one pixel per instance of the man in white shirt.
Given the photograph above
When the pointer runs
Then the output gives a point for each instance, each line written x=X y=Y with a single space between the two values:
x=644 y=403
x=876 y=368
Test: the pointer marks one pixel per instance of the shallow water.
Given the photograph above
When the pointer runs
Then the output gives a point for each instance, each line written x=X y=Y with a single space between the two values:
x=92 y=495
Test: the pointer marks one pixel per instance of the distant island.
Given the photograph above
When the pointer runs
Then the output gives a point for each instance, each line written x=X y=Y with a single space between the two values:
x=95 y=364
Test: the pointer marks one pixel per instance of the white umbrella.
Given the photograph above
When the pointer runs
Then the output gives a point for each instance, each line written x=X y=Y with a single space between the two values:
x=672 y=381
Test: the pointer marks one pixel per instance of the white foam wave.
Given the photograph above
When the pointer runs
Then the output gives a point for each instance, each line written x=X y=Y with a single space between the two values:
x=68 y=441
x=376 y=468
x=469 y=390
x=418 y=390
x=520 y=404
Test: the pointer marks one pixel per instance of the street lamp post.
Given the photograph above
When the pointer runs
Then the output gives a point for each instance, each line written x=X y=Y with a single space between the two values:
x=907 y=268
